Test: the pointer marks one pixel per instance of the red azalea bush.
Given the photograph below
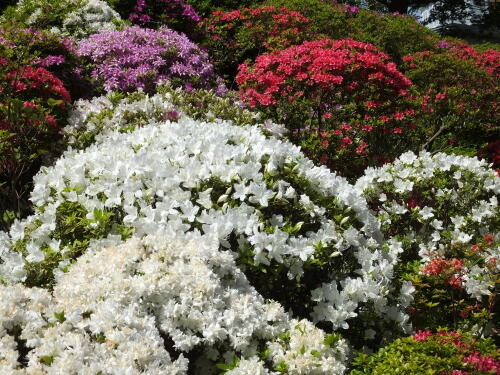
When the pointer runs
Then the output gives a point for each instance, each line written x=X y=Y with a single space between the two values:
x=44 y=49
x=234 y=36
x=33 y=103
x=345 y=103
x=457 y=90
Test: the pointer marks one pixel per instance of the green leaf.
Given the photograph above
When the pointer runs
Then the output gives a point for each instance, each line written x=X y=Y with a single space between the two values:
x=47 y=359
x=60 y=316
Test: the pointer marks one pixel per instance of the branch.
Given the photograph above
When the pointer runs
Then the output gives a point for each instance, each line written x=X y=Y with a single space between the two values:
x=440 y=130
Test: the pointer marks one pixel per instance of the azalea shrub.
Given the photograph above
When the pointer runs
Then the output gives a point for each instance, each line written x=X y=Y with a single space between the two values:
x=303 y=236
x=161 y=304
x=344 y=102
x=235 y=36
x=46 y=50
x=139 y=58
x=457 y=89
x=442 y=352
x=33 y=104
x=95 y=119
x=176 y=14
x=444 y=210
x=68 y=18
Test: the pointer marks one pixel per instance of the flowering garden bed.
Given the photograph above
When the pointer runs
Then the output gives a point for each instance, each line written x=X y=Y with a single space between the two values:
x=219 y=200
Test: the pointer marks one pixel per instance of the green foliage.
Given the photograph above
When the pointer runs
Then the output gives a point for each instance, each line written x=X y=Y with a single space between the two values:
x=75 y=231
x=428 y=354
x=206 y=105
x=123 y=7
x=396 y=35
x=7 y=3
x=456 y=95
x=201 y=105
x=327 y=18
x=41 y=14
x=206 y=7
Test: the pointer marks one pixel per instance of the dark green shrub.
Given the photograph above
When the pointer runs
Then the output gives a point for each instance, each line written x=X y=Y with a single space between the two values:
x=7 y=3
x=396 y=35
x=326 y=17
x=457 y=88
x=205 y=7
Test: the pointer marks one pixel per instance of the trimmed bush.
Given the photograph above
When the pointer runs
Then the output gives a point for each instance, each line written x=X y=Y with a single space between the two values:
x=444 y=209
x=302 y=236
x=68 y=18
x=235 y=36
x=138 y=58
x=158 y=305
x=46 y=50
x=206 y=7
x=344 y=102
x=33 y=103
x=444 y=352
x=457 y=89
x=96 y=118
x=396 y=35
x=327 y=18
x=176 y=14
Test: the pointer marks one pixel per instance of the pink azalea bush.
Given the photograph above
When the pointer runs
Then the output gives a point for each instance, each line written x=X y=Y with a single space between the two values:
x=139 y=58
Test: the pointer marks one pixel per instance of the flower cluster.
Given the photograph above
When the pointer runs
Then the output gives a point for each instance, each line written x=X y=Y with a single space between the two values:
x=444 y=208
x=69 y=18
x=148 y=302
x=91 y=17
x=259 y=196
x=487 y=60
x=322 y=84
x=140 y=58
x=91 y=119
x=43 y=49
x=245 y=32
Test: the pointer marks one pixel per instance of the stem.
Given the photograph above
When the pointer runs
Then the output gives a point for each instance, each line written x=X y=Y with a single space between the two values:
x=440 y=130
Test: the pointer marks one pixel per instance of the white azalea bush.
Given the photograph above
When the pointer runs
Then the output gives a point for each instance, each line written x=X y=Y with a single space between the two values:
x=154 y=306
x=93 y=119
x=68 y=18
x=444 y=209
x=303 y=236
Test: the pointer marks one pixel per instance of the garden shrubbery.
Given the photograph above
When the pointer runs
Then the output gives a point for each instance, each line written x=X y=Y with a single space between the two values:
x=457 y=89
x=138 y=58
x=442 y=352
x=75 y=18
x=444 y=210
x=234 y=36
x=345 y=103
x=33 y=104
x=329 y=217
